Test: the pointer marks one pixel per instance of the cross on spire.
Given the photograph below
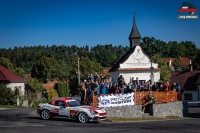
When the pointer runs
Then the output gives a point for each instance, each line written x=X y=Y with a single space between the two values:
x=134 y=15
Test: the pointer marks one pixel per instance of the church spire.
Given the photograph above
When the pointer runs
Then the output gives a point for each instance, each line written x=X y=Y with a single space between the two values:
x=134 y=36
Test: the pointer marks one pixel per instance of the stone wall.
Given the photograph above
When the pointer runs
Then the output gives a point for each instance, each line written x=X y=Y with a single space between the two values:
x=133 y=111
x=177 y=108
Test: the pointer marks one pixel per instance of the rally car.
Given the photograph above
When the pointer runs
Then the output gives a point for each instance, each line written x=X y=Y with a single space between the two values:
x=68 y=107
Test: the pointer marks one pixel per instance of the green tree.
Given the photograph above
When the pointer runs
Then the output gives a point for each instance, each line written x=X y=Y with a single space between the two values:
x=6 y=63
x=165 y=73
x=35 y=84
x=6 y=95
x=45 y=68
x=177 y=64
x=62 y=89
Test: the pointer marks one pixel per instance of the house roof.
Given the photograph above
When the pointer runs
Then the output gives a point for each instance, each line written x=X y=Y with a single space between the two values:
x=106 y=71
x=198 y=81
x=7 y=75
x=49 y=85
x=184 y=60
x=125 y=57
x=187 y=80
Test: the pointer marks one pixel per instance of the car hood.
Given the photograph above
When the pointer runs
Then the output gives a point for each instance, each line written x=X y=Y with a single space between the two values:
x=90 y=107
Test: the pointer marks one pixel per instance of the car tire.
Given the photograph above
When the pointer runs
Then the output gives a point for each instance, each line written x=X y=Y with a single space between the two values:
x=45 y=114
x=82 y=117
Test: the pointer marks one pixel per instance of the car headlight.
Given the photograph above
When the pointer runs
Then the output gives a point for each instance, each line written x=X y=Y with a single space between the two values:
x=92 y=112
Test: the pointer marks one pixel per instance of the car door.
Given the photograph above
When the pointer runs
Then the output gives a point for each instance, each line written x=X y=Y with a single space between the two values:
x=63 y=110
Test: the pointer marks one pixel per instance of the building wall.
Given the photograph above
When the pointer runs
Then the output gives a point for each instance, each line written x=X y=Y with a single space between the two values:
x=192 y=97
x=20 y=86
x=145 y=75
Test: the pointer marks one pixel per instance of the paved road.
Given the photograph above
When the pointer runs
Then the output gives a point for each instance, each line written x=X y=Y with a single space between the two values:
x=25 y=120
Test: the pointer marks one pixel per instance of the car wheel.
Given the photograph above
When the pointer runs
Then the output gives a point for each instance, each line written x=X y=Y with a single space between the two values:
x=83 y=117
x=45 y=115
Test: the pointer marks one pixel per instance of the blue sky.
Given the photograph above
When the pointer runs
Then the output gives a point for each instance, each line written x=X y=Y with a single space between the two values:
x=92 y=22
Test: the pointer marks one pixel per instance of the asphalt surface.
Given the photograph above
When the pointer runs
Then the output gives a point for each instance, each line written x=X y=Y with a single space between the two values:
x=25 y=120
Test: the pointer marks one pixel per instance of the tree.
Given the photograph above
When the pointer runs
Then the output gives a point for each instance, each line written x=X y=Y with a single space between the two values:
x=44 y=69
x=6 y=95
x=6 y=63
x=177 y=64
x=165 y=73
x=62 y=89
x=35 y=84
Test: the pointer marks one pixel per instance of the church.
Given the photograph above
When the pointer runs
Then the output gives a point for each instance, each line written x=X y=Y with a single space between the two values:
x=135 y=62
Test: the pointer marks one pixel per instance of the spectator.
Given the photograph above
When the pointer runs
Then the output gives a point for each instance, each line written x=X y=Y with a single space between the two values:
x=138 y=84
x=134 y=86
x=129 y=87
x=166 y=86
x=83 y=93
x=120 y=81
x=155 y=87
x=98 y=87
x=91 y=77
x=174 y=87
x=102 y=77
x=178 y=87
x=103 y=88
x=115 y=88
x=149 y=99
x=148 y=86
x=143 y=86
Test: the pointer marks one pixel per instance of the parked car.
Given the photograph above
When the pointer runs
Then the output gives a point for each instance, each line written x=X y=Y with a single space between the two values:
x=68 y=107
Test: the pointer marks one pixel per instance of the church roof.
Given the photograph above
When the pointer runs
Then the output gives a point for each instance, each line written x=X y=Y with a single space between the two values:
x=134 y=32
x=7 y=75
x=124 y=58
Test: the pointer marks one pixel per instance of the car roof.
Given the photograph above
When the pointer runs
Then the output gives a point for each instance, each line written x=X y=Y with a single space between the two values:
x=62 y=98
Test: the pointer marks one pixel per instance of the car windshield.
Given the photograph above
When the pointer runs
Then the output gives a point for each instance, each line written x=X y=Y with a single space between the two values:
x=73 y=103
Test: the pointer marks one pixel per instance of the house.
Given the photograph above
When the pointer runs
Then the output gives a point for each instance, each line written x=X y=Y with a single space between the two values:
x=135 y=62
x=185 y=61
x=11 y=80
x=190 y=83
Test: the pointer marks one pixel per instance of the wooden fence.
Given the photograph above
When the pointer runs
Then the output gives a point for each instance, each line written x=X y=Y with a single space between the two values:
x=161 y=97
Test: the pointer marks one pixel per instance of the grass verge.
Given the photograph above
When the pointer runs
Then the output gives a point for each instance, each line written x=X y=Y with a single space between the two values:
x=123 y=119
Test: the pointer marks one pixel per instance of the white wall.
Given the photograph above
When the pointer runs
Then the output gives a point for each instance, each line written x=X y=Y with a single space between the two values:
x=194 y=101
x=20 y=86
x=114 y=75
x=142 y=75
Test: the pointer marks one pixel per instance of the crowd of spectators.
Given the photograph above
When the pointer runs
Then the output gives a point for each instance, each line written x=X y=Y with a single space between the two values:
x=98 y=84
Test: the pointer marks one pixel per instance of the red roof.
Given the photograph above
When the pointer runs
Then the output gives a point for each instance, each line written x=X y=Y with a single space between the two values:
x=184 y=60
x=106 y=71
x=187 y=80
x=49 y=85
x=7 y=75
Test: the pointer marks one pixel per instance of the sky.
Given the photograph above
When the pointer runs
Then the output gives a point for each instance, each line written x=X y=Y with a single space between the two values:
x=92 y=22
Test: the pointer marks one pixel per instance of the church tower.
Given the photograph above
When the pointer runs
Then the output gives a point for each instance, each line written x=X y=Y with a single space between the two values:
x=134 y=36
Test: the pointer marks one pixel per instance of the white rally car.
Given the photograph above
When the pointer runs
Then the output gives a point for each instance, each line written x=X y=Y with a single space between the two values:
x=67 y=107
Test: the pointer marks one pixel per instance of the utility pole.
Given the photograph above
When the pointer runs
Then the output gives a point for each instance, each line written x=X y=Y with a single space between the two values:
x=151 y=70
x=78 y=73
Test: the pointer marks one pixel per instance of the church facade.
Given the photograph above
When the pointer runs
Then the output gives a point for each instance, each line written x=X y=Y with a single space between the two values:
x=135 y=62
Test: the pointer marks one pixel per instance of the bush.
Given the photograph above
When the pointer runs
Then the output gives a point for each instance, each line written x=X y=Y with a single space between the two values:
x=51 y=94
x=36 y=103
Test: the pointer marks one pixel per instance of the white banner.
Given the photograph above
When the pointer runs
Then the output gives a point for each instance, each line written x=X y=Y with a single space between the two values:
x=115 y=100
